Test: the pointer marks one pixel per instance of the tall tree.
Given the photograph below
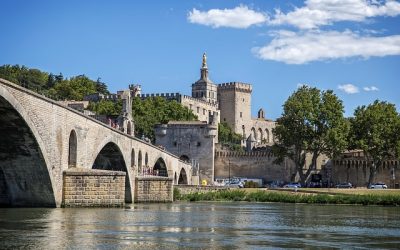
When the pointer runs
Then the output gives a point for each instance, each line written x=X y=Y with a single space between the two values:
x=151 y=111
x=376 y=130
x=312 y=123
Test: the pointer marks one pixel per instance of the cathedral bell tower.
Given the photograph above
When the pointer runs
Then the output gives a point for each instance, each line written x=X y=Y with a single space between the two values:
x=204 y=88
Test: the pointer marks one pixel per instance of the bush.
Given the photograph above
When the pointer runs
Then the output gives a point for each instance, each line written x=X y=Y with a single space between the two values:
x=262 y=196
x=251 y=184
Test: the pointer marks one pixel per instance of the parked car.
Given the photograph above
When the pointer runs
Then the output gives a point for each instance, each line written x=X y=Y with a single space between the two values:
x=237 y=184
x=378 y=185
x=293 y=185
x=344 y=185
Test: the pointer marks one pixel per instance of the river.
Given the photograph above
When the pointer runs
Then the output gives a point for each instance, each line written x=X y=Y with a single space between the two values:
x=202 y=225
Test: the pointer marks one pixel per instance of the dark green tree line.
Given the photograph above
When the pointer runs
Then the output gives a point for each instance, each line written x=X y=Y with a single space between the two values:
x=54 y=86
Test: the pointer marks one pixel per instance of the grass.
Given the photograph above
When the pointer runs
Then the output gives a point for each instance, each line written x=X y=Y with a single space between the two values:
x=362 y=197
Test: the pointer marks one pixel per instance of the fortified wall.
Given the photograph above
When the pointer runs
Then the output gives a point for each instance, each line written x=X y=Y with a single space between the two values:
x=192 y=141
x=256 y=164
x=354 y=168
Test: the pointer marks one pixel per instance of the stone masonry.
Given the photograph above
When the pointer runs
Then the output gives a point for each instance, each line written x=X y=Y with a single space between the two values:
x=41 y=138
x=192 y=141
x=93 y=188
x=153 y=189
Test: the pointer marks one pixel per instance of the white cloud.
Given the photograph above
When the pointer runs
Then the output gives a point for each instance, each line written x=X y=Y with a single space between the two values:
x=303 y=47
x=325 y=12
x=348 y=88
x=240 y=17
x=371 y=88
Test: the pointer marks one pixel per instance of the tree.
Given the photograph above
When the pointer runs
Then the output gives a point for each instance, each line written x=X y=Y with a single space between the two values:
x=106 y=107
x=375 y=129
x=151 y=111
x=101 y=87
x=312 y=123
x=227 y=137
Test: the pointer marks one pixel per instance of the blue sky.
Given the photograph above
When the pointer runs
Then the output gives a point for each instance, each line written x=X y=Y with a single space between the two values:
x=349 y=46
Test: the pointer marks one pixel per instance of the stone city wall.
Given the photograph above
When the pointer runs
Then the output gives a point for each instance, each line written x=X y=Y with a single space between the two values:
x=93 y=188
x=252 y=165
x=357 y=173
x=153 y=189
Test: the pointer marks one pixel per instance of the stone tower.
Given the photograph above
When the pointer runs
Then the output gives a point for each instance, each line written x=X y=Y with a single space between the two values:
x=234 y=101
x=204 y=88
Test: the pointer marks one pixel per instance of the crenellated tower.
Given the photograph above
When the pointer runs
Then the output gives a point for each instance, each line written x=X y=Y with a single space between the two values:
x=234 y=101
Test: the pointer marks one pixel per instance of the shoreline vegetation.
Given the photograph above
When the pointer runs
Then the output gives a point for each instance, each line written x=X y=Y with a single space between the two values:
x=331 y=196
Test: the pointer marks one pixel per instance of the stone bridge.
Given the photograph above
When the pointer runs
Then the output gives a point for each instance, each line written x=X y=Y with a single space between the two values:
x=40 y=138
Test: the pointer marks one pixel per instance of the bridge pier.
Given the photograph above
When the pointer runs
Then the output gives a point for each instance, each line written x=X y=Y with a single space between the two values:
x=153 y=189
x=93 y=188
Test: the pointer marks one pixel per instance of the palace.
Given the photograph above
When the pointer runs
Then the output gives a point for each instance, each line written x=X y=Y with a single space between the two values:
x=227 y=102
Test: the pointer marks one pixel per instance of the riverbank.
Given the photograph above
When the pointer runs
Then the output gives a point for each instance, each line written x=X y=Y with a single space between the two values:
x=311 y=196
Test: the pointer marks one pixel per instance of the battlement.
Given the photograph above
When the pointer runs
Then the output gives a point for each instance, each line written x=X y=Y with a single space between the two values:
x=200 y=101
x=168 y=96
x=96 y=97
x=239 y=86
x=223 y=154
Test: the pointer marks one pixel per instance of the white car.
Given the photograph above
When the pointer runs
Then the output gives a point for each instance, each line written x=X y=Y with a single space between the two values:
x=378 y=185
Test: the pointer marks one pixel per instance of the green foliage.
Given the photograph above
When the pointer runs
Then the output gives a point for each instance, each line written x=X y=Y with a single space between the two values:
x=151 y=111
x=312 y=122
x=106 y=107
x=251 y=184
x=177 y=194
x=53 y=86
x=376 y=130
x=262 y=196
x=227 y=137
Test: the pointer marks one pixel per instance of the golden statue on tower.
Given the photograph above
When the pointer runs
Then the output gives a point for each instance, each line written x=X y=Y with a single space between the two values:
x=204 y=60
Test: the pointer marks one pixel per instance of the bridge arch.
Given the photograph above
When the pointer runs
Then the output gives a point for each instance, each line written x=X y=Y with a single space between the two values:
x=110 y=157
x=25 y=170
x=183 y=177
x=133 y=158
x=261 y=135
x=253 y=131
x=267 y=135
x=140 y=162
x=72 y=149
x=161 y=167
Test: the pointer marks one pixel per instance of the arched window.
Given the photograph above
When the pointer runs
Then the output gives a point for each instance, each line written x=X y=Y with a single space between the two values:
x=146 y=160
x=72 y=149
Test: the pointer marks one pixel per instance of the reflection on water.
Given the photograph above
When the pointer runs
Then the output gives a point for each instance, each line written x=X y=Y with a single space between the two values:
x=202 y=225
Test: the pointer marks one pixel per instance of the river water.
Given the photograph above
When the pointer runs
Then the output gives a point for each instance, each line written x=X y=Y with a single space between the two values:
x=202 y=225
